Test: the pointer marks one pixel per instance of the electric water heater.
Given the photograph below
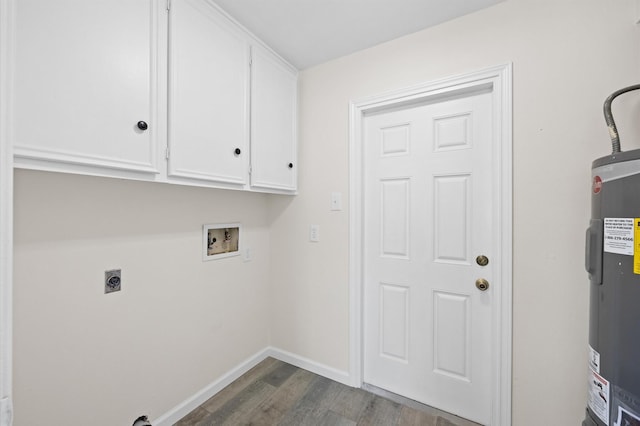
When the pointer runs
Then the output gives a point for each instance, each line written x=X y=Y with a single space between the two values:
x=613 y=264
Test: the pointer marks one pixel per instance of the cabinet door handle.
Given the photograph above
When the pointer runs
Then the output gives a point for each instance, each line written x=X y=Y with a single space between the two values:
x=291 y=165
x=142 y=125
x=237 y=151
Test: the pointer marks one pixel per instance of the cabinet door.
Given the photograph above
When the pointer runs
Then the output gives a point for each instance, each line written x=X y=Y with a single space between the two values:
x=84 y=76
x=273 y=122
x=208 y=97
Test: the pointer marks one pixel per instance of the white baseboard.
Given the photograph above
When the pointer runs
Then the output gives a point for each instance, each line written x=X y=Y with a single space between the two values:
x=310 y=365
x=190 y=404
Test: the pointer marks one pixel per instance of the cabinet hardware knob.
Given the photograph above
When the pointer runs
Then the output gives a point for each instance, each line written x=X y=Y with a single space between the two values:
x=237 y=151
x=142 y=125
x=291 y=165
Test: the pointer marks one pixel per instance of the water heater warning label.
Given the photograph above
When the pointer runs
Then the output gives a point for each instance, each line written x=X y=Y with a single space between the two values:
x=599 y=396
x=636 y=251
x=619 y=235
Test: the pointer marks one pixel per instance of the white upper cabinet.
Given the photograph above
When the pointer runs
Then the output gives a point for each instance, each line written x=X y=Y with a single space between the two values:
x=84 y=83
x=273 y=122
x=208 y=95
x=168 y=91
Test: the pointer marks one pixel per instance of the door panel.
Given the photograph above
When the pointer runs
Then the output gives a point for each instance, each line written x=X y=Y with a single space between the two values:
x=451 y=216
x=395 y=217
x=428 y=199
x=451 y=340
x=394 y=321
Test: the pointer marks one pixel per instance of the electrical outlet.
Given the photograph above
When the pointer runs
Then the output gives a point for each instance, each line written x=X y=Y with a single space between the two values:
x=314 y=233
x=112 y=281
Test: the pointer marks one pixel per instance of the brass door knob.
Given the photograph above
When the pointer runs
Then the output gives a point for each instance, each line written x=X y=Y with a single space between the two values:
x=482 y=284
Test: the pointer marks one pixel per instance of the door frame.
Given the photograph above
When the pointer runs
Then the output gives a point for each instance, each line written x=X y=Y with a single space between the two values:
x=500 y=77
x=6 y=215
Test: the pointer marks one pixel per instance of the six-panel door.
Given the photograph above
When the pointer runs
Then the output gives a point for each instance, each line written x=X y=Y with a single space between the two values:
x=428 y=215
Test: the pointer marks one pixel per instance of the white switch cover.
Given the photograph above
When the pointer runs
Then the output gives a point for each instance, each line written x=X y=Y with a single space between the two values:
x=336 y=201
x=314 y=233
x=247 y=255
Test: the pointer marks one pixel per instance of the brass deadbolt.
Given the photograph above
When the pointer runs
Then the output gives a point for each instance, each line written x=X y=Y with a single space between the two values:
x=482 y=260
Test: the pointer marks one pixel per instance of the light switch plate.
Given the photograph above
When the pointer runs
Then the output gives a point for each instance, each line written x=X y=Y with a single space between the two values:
x=336 y=201
x=247 y=256
x=314 y=233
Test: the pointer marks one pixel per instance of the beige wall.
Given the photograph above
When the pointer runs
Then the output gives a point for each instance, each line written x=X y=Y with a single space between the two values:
x=83 y=357
x=180 y=323
x=567 y=55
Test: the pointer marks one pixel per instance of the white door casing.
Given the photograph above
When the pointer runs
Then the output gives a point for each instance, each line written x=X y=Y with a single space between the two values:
x=442 y=308
x=6 y=217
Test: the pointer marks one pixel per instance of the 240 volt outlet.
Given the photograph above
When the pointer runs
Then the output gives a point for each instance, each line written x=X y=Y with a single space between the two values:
x=112 y=281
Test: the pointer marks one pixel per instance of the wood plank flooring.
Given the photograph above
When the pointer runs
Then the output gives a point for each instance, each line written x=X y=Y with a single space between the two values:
x=276 y=393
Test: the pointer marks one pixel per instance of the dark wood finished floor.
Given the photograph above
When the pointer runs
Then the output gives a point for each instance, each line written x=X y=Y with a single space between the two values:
x=277 y=393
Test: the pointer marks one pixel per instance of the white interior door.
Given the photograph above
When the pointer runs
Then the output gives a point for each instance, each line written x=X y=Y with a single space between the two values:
x=427 y=216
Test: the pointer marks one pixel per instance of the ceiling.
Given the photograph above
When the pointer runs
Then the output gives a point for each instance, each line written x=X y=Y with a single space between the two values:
x=310 y=32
